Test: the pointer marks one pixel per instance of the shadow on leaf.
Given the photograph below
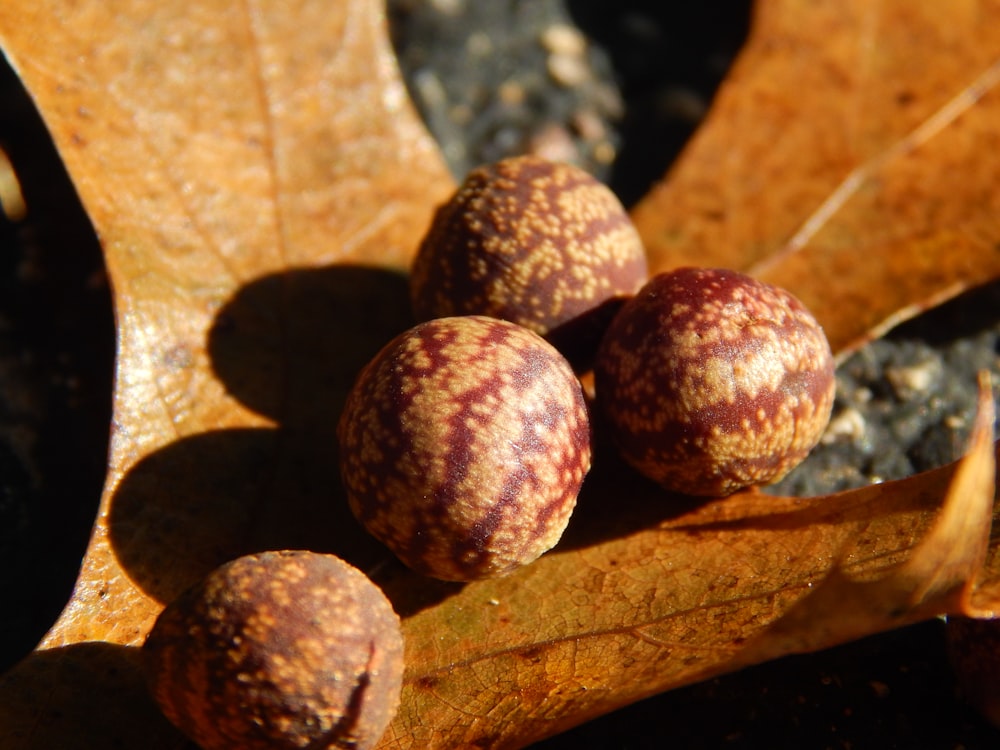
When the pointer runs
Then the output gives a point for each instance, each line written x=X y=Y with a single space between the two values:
x=204 y=500
x=289 y=346
x=84 y=696
x=617 y=501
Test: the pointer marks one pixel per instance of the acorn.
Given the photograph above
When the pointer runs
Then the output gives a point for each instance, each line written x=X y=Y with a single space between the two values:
x=463 y=446
x=278 y=650
x=711 y=381
x=539 y=243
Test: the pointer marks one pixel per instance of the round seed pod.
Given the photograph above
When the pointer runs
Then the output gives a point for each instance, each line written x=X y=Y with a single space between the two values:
x=712 y=381
x=535 y=242
x=463 y=447
x=278 y=650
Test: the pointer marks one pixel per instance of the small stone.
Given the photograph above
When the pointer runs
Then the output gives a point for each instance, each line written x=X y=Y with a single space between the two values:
x=589 y=125
x=511 y=93
x=554 y=143
x=568 y=70
x=849 y=425
x=564 y=39
x=914 y=380
x=448 y=7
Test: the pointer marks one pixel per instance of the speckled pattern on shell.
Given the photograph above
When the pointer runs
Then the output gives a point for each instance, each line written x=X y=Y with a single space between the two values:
x=713 y=381
x=535 y=242
x=464 y=445
x=278 y=650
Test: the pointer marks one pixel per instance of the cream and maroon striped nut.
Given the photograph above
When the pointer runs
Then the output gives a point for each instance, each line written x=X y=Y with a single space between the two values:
x=463 y=446
x=277 y=650
x=712 y=381
x=535 y=242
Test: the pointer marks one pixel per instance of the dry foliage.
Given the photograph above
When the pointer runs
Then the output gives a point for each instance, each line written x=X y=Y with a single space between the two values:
x=259 y=181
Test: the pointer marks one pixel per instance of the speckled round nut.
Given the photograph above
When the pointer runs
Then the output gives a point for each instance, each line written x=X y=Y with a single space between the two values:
x=278 y=650
x=712 y=381
x=463 y=446
x=535 y=242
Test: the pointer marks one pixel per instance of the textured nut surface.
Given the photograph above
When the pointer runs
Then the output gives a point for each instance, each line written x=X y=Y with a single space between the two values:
x=464 y=444
x=278 y=650
x=713 y=381
x=535 y=242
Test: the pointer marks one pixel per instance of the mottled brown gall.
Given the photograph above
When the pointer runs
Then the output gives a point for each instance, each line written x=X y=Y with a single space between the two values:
x=712 y=381
x=278 y=650
x=535 y=242
x=463 y=446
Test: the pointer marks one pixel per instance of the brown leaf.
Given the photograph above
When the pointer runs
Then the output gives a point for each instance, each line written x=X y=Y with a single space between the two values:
x=848 y=158
x=938 y=574
x=974 y=644
x=223 y=151
x=258 y=179
x=625 y=609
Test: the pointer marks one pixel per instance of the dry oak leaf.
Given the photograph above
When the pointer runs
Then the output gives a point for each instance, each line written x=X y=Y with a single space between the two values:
x=849 y=156
x=627 y=607
x=257 y=177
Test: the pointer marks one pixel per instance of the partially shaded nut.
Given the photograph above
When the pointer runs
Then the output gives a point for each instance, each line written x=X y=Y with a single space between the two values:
x=278 y=650
x=535 y=242
x=464 y=444
x=712 y=381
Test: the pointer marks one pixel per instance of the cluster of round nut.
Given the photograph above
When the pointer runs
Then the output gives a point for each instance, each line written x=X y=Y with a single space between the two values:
x=465 y=442
x=465 y=457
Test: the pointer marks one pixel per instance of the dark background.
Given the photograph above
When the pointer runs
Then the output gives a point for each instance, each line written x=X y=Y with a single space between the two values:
x=480 y=72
